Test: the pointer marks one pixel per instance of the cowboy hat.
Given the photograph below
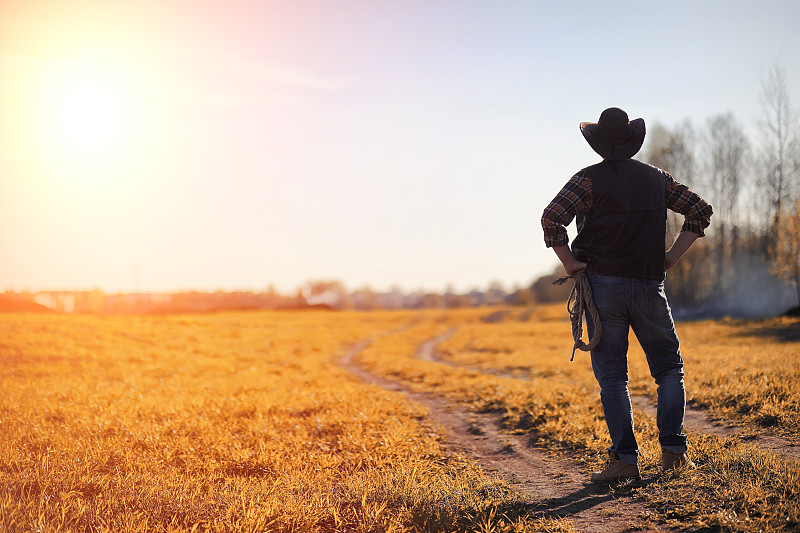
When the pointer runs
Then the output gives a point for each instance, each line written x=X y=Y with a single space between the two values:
x=613 y=136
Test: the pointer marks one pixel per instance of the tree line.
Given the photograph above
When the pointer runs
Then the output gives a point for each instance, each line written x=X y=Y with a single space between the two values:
x=751 y=257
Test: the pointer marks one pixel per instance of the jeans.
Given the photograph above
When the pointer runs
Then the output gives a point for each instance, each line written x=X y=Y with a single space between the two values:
x=642 y=305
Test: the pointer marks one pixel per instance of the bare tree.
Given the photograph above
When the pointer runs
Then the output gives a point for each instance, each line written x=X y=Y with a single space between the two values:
x=785 y=252
x=727 y=149
x=672 y=149
x=780 y=145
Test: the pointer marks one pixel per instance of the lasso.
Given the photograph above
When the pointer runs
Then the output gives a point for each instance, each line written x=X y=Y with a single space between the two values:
x=580 y=300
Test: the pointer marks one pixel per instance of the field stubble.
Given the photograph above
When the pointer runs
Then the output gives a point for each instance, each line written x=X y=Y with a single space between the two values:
x=228 y=422
x=244 y=422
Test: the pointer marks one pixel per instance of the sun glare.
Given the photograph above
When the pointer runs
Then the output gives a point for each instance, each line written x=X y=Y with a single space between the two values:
x=85 y=109
x=89 y=114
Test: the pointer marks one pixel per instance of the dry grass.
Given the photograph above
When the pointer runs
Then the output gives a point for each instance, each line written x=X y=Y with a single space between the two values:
x=244 y=422
x=229 y=422
x=746 y=371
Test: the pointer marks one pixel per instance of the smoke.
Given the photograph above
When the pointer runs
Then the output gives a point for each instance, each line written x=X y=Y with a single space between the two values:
x=748 y=290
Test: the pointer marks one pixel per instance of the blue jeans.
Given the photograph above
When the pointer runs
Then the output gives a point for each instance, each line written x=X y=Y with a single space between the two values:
x=640 y=304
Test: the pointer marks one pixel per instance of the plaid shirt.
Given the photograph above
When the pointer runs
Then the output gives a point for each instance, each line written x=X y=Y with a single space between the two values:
x=576 y=197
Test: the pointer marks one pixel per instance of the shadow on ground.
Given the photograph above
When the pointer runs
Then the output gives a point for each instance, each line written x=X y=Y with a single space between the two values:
x=780 y=333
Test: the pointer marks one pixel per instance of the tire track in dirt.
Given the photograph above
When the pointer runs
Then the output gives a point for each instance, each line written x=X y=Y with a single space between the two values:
x=695 y=420
x=556 y=488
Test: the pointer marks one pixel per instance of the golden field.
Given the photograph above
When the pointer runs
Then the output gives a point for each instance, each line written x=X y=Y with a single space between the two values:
x=245 y=421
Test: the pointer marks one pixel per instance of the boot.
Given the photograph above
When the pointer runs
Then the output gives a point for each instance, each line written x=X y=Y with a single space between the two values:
x=671 y=461
x=615 y=470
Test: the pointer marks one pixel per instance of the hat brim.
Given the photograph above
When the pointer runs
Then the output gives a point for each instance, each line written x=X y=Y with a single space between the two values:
x=615 y=151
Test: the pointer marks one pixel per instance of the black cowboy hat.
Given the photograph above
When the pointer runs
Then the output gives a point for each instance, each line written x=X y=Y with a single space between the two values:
x=613 y=136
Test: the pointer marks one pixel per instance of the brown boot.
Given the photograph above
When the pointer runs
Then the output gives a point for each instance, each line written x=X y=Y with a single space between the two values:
x=671 y=461
x=615 y=470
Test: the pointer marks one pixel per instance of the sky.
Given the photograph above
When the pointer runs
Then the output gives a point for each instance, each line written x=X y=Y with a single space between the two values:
x=210 y=145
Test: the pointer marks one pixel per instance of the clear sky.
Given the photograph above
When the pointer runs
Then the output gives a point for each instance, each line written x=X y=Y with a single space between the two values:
x=168 y=145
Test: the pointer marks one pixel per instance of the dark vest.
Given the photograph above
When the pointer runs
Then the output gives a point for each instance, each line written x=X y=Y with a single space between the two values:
x=624 y=232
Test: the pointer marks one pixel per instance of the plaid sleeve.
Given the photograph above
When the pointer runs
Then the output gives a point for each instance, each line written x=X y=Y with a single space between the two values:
x=573 y=198
x=696 y=211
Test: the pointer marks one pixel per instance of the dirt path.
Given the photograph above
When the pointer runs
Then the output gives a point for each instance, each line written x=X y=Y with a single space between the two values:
x=556 y=488
x=695 y=420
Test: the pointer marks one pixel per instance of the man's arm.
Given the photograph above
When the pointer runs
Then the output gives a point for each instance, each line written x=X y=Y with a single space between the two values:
x=696 y=211
x=575 y=196
x=682 y=243
x=697 y=215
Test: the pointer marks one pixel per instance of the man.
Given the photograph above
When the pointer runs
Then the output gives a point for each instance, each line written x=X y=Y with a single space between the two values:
x=621 y=208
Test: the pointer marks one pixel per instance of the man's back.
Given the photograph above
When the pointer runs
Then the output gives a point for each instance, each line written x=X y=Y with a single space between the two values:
x=623 y=232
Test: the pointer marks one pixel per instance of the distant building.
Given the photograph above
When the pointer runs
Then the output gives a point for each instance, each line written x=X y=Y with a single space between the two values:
x=61 y=301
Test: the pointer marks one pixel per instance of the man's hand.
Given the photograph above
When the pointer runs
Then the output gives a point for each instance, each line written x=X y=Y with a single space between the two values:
x=571 y=265
x=574 y=267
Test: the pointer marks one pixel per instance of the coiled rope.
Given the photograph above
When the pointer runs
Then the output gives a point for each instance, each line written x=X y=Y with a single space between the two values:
x=580 y=300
